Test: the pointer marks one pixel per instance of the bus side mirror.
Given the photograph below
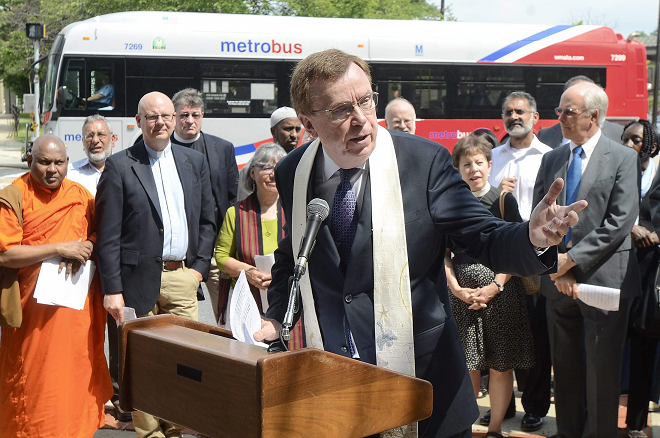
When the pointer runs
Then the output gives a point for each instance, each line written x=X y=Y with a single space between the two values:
x=61 y=98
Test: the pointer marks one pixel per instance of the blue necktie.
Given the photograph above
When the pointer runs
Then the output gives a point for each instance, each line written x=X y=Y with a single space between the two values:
x=573 y=182
x=344 y=219
x=344 y=226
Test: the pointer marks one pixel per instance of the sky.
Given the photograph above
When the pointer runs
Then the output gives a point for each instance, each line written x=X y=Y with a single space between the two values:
x=624 y=17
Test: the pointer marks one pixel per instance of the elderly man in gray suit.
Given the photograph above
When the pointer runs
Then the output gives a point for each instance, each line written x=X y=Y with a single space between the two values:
x=597 y=251
x=553 y=135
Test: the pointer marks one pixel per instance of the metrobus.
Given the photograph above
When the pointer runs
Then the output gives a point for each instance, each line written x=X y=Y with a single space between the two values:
x=455 y=74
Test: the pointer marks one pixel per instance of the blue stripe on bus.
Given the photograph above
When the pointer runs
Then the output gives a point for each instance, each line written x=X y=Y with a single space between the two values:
x=522 y=43
x=245 y=149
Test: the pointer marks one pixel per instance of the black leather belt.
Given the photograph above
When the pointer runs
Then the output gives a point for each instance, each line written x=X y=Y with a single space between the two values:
x=172 y=265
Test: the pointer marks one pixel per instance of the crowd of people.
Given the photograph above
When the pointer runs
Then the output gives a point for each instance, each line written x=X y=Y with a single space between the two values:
x=487 y=245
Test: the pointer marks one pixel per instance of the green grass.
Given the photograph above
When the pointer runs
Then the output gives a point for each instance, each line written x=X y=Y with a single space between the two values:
x=23 y=119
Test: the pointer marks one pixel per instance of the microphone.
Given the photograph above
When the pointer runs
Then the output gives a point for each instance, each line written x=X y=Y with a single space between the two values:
x=317 y=211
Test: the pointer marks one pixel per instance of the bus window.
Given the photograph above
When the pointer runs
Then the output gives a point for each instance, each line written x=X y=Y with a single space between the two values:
x=93 y=85
x=245 y=88
x=549 y=85
x=425 y=87
x=481 y=90
x=74 y=80
x=144 y=75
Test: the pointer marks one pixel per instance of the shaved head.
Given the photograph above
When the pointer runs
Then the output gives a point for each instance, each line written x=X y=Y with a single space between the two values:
x=48 y=161
x=48 y=142
x=156 y=119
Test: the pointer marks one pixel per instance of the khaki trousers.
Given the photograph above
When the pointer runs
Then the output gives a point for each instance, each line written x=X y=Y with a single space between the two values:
x=213 y=286
x=178 y=296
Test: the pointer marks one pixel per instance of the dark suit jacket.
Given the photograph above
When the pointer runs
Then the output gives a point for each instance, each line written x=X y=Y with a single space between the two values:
x=224 y=174
x=552 y=136
x=437 y=203
x=130 y=228
x=602 y=246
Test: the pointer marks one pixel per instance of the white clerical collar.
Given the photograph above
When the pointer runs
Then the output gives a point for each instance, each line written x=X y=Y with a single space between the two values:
x=153 y=153
x=192 y=140
x=483 y=191
x=330 y=167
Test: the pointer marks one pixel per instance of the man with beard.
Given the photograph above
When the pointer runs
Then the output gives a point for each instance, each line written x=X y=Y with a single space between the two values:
x=285 y=128
x=515 y=166
x=516 y=162
x=98 y=141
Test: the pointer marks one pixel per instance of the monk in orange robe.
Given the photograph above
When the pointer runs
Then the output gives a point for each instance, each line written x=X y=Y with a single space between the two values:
x=54 y=378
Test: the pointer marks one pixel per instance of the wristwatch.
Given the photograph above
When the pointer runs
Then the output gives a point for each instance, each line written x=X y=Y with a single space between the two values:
x=499 y=286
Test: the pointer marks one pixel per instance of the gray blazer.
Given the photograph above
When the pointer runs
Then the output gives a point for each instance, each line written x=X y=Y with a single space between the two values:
x=602 y=246
x=553 y=137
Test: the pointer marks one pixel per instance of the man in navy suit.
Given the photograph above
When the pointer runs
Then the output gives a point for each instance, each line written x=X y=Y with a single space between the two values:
x=156 y=228
x=220 y=158
x=331 y=92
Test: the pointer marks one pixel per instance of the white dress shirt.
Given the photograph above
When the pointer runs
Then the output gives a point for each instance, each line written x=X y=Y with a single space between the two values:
x=524 y=164
x=587 y=150
x=327 y=181
x=85 y=173
x=172 y=203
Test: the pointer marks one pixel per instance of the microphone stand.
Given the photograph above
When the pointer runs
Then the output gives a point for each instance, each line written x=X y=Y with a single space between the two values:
x=291 y=308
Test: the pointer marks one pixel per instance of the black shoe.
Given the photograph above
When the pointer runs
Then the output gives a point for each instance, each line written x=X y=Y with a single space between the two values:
x=531 y=422
x=485 y=420
x=121 y=415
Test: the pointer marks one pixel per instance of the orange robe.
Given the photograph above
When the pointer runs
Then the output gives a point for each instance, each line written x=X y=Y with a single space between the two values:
x=54 y=377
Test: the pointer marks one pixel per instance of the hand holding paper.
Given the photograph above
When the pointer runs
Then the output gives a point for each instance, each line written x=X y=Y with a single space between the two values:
x=244 y=313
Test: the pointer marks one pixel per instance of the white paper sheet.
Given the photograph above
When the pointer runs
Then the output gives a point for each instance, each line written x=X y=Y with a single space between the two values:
x=54 y=290
x=604 y=298
x=244 y=313
x=264 y=265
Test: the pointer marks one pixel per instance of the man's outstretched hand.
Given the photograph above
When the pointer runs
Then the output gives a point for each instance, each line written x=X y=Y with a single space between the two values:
x=549 y=222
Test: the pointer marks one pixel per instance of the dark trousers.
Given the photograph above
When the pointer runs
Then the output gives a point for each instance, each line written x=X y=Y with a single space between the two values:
x=587 y=366
x=535 y=383
x=642 y=359
x=113 y=356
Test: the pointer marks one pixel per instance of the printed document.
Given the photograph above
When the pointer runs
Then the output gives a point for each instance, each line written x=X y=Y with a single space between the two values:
x=53 y=289
x=244 y=313
x=601 y=297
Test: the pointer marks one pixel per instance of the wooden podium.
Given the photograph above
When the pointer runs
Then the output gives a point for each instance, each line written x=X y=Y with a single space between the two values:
x=197 y=376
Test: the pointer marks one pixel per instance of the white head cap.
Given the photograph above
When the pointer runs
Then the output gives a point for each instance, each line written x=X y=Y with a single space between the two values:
x=282 y=113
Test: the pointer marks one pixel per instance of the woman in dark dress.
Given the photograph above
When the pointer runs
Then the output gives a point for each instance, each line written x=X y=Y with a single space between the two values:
x=489 y=307
x=643 y=138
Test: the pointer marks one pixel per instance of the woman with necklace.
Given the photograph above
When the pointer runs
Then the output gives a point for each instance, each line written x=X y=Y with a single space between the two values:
x=489 y=308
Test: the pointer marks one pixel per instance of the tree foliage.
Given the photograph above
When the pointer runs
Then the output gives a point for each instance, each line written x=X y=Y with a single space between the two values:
x=16 y=50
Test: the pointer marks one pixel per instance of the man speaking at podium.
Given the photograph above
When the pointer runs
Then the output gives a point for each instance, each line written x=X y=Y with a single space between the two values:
x=393 y=204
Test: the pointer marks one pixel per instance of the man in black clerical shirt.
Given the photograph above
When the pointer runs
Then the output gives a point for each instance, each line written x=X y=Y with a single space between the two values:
x=219 y=153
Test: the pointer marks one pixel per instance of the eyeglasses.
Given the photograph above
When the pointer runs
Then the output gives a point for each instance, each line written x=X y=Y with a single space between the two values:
x=184 y=116
x=90 y=136
x=343 y=111
x=265 y=168
x=520 y=112
x=569 y=112
x=152 y=118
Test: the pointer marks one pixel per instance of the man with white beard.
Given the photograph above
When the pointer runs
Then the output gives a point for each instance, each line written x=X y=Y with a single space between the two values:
x=515 y=166
x=98 y=141
x=516 y=163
